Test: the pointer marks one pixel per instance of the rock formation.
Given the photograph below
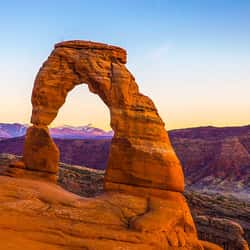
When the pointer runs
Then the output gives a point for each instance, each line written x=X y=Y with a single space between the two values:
x=214 y=158
x=213 y=214
x=227 y=233
x=143 y=208
x=37 y=215
x=140 y=144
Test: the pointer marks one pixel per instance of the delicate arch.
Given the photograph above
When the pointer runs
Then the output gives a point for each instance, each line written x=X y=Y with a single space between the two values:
x=140 y=154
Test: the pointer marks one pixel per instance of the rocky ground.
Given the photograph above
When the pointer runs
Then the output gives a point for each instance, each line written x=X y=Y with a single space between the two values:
x=38 y=214
x=220 y=218
x=215 y=214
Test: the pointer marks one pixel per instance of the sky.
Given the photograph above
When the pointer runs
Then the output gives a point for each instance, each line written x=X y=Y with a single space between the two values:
x=192 y=57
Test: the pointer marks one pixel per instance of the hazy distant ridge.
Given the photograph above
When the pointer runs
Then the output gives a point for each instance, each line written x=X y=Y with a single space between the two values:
x=12 y=130
x=216 y=158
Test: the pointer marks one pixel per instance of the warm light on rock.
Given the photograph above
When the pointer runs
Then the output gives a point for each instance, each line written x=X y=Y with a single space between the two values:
x=141 y=153
x=143 y=206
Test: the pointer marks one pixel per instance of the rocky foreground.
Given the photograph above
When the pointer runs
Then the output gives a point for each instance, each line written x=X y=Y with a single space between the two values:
x=219 y=218
x=36 y=214
x=42 y=215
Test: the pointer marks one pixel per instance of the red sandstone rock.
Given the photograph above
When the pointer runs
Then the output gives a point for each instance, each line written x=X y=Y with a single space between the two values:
x=35 y=215
x=146 y=210
x=40 y=151
x=140 y=145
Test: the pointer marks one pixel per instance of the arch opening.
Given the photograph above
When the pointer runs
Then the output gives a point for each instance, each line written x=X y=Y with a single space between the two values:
x=82 y=108
x=82 y=130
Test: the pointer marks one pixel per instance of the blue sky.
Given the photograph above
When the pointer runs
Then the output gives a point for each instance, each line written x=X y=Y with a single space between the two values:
x=192 y=57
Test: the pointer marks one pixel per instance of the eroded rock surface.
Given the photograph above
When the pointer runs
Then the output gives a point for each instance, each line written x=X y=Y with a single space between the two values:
x=143 y=207
x=41 y=215
x=140 y=143
x=41 y=153
x=88 y=182
x=224 y=232
x=220 y=218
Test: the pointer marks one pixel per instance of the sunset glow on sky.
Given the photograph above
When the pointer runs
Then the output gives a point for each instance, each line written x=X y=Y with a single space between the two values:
x=191 y=57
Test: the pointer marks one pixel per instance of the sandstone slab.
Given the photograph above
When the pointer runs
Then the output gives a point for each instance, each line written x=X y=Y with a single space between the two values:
x=41 y=215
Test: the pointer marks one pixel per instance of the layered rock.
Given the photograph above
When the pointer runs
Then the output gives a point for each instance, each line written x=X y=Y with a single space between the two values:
x=41 y=215
x=216 y=207
x=206 y=208
x=224 y=232
x=40 y=151
x=140 y=143
x=89 y=183
x=143 y=208
x=215 y=158
x=80 y=180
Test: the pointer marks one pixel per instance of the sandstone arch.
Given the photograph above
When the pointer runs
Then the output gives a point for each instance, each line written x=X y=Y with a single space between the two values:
x=141 y=153
x=152 y=212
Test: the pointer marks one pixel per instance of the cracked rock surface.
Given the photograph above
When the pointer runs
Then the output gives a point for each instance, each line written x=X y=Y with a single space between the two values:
x=41 y=215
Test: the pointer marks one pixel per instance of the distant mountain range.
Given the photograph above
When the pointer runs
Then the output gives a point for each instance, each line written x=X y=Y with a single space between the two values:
x=212 y=158
x=11 y=130
x=83 y=132
x=8 y=130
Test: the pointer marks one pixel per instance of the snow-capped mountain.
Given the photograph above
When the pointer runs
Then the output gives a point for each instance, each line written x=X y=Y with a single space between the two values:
x=81 y=132
x=11 y=130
